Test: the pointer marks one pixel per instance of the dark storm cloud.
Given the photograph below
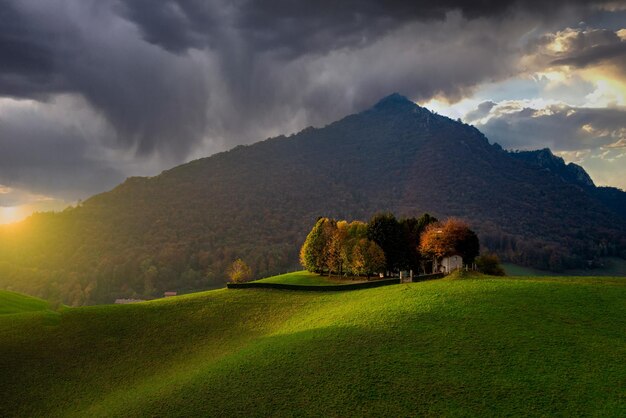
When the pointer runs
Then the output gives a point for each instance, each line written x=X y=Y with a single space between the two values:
x=155 y=101
x=302 y=27
x=26 y=61
x=41 y=156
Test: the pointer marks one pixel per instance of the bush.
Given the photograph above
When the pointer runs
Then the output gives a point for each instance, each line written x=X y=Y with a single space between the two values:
x=490 y=264
x=239 y=271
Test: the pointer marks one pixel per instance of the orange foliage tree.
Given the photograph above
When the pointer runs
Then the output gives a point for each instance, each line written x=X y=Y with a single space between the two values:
x=451 y=237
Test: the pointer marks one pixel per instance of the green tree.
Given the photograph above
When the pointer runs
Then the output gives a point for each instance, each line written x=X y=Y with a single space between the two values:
x=385 y=230
x=312 y=251
x=425 y=220
x=239 y=271
x=367 y=258
x=333 y=240
x=354 y=231
x=489 y=264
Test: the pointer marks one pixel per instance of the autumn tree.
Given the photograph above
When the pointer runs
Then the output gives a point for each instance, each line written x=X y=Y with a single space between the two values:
x=367 y=258
x=312 y=251
x=354 y=231
x=335 y=233
x=239 y=271
x=322 y=248
x=452 y=237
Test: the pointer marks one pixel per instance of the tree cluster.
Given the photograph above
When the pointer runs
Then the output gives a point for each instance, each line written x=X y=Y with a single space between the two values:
x=341 y=247
x=385 y=244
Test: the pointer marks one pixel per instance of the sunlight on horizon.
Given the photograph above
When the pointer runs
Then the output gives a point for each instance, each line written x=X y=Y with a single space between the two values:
x=11 y=214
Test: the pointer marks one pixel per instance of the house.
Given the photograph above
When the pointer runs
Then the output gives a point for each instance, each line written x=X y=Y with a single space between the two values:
x=451 y=263
x=168 y=294
x=127 y=301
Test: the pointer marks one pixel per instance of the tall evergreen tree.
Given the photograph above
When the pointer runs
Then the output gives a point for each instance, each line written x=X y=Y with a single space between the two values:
x=385 y=230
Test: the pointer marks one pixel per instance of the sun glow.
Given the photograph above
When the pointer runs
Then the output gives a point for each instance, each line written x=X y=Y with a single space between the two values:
x=10 y=214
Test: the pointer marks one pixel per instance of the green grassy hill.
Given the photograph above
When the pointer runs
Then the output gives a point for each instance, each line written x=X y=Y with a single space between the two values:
x=12 y=303
x=474 y=347
x=306 y=278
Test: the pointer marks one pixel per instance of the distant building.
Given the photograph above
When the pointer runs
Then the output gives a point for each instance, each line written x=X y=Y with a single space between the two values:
x=127 y=301
x=449 y=264
x=168 y=294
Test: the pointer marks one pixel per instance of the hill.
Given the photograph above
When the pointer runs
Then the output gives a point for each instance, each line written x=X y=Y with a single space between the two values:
x=13 y=303
x=181 y=229
x=477 y=346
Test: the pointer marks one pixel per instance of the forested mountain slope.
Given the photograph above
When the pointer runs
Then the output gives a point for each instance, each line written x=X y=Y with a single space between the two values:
x=611 y=197
x=182 y=228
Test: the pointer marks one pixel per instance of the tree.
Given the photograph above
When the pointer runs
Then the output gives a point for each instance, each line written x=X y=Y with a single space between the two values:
x=425 y=220
x=451 y=237
x=433 y=242
x=385 y=230
x=463 y=240
x=367 y=258
x=412 y=229
x=312 y=251
x=354 y=231
x=333 y=237
x=239 y=271
x=489 y=264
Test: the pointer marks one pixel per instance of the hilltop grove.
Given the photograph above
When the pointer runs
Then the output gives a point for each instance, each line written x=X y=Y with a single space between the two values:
x=385 y=245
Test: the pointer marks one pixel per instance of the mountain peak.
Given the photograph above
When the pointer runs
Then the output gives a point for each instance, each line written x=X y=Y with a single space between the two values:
x=546 y=159
x=395 y=101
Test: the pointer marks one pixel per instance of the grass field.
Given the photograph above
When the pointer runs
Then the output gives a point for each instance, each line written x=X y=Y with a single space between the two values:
x=456 y=347
x=515 y=270
x=611 y=266
x=12 y=303
x=306 y=278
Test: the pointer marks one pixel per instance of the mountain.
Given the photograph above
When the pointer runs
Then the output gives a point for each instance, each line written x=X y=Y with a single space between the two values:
x=181 y=229
x=611 y=197
x=544 y=158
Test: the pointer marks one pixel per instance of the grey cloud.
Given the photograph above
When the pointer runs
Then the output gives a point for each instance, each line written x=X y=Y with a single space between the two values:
x=592 y=47
x=26 y=61
x=40 y=156
x=595 y=54
x=155 y=101
x=480 y=112
x=296 y=28
x=561 y=128
x=581 y=47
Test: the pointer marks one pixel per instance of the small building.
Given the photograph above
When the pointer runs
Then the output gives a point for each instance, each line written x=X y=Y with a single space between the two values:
x=169 y=294
x=451 y=263
x=127 y=301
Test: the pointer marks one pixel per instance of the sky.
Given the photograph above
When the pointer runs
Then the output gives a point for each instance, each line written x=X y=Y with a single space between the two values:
x=94 y=91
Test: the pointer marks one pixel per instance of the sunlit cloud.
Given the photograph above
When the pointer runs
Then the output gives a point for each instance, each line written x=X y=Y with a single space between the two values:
x=621 y=143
